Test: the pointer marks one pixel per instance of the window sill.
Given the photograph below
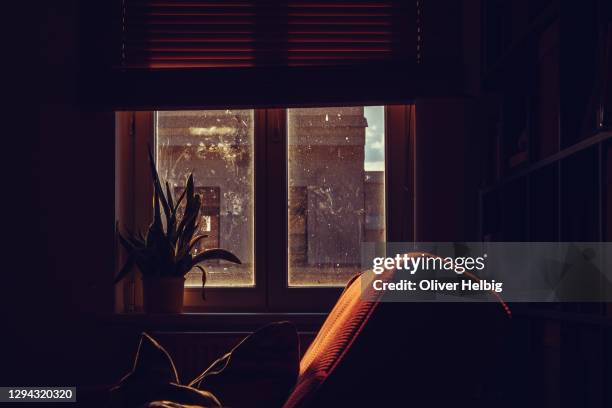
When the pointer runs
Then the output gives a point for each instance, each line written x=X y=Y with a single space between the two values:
x=211 y=322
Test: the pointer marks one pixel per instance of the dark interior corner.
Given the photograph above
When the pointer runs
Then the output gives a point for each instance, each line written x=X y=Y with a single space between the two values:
x=494 y=125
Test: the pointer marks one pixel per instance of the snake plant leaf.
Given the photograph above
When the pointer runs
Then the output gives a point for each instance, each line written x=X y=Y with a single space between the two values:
x=192 y=224
x=156 y=183
x=171 y=216
x=190 y=188
x=179 y=200
x=134 y=239
x=145 y=261
x=156 y=211
x=136 y=243
x=169 y=196
x=183 y=247
x=203 y=280
x=215 y=253
x=129 y=246
x=195 y=240
x=127 y=267
x=200 y=267
x=184 y=265
x=185 y=229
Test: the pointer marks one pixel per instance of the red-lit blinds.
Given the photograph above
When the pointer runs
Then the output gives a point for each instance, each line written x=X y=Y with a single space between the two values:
x=192 y=33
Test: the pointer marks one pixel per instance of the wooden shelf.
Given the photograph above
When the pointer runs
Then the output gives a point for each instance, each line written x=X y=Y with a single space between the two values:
x=600 y=137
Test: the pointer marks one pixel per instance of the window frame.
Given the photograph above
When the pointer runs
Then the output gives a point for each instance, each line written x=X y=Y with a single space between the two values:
x=271 y=292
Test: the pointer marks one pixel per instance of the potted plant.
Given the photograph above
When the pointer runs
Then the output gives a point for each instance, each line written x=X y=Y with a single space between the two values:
x=166 y=253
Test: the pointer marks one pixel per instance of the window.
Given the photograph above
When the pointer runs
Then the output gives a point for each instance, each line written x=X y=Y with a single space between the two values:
x=217 y=147
x=336 y=165
x=293 y=192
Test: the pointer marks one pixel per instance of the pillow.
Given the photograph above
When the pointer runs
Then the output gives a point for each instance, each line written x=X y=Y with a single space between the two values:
x=260 y=371
x=154 y=378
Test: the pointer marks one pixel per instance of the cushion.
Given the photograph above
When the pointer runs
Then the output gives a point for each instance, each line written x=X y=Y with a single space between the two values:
x=259 y=372
x=154 y=378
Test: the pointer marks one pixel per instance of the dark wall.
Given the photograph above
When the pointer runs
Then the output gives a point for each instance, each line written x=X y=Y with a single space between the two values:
x=450 y=134
x=448 y=148
x=63 y=219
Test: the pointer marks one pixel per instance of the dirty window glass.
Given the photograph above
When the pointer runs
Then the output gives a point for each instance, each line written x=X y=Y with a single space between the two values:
x=217 y=146
x=336 y=191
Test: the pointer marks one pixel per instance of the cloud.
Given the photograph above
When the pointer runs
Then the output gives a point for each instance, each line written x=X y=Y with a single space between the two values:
x=374 y=166
x=377 y=145
x=375 y=138
x=372 y=155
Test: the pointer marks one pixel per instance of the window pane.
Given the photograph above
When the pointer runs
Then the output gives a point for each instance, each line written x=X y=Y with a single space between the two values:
x=217 y=146
x=336 y=191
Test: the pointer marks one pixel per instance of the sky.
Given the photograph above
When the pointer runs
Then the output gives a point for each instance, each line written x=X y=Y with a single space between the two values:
x=375 y=138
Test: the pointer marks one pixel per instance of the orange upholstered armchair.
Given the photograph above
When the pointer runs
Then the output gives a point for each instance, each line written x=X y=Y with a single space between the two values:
x=371 y=353
x=339 y=330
